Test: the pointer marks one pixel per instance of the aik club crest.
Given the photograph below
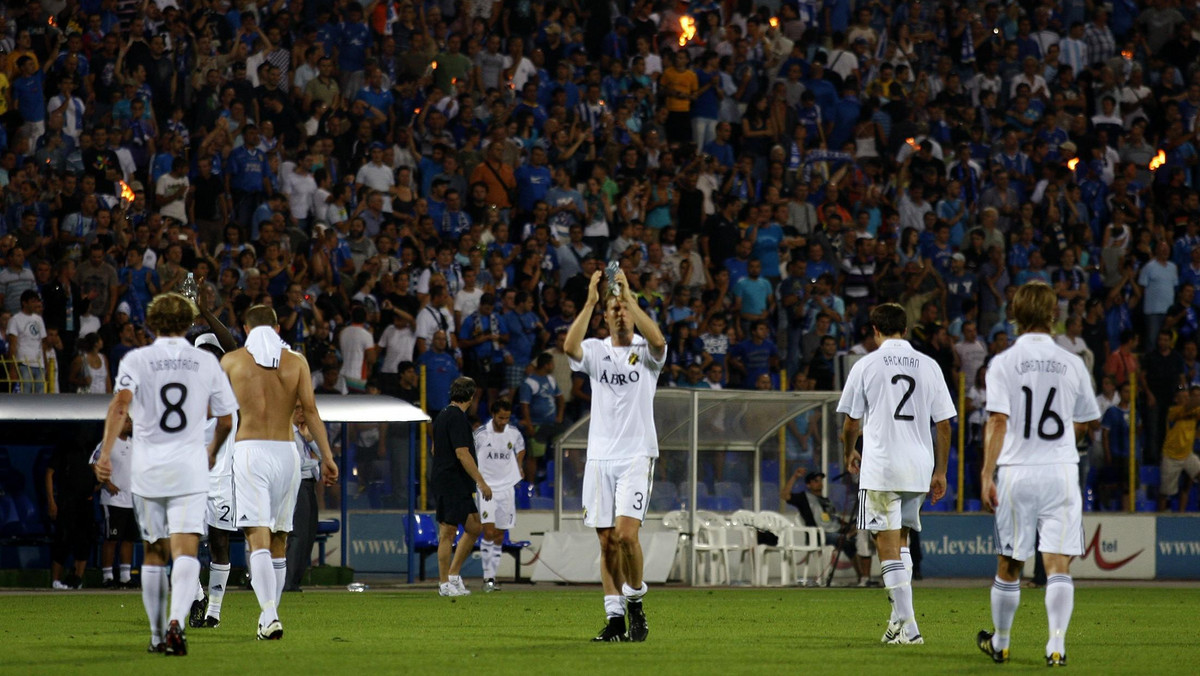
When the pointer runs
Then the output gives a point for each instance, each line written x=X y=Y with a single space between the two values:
x=633 y=359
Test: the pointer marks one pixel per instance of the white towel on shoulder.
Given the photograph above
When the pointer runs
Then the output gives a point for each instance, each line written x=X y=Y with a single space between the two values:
x=265 y=346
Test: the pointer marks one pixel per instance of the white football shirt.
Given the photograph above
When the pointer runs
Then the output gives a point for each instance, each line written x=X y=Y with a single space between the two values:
x=624 y=380
x=224 y=464
x=899 y=392
x=121 y=456
x=30 y=331
x=497 y=454
x=1042 y=389
x=174 y=386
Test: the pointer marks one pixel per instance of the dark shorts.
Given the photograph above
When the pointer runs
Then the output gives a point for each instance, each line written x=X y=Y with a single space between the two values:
x=454 y=503
x=120 y=524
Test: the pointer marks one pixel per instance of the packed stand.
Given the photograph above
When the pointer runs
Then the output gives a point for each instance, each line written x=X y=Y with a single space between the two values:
x=429 y=185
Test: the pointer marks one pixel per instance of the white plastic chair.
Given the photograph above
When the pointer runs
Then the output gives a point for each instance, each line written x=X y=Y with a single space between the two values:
x=677 y=521
x=712 y=549
x=777 y=524
x=742 y=522
x=803 y=543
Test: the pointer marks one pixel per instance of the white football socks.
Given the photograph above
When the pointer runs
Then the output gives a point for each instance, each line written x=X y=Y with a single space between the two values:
x=906 y=559
x=126 y=572
x=108 y=574
x=218 y=578
x=1006 y=596
x=154 y=599
x=895 y=578
x=614 y=606
x=262 y=579
x=632 y=594
x=487 y=559
x=280 y=566
x=1060 y=602
x=185 y=578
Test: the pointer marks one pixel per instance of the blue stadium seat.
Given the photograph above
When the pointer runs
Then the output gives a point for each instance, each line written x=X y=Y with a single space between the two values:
x=10 y=523
x=1146 y=505
x=524 y=491
x=30 y=517
x=572 y=503
x=770 y=470
x=1150 y=475
x=663 y=497
x=545 y=489
x=769 y=495
x=539 y=502
x=729 y=489
x=422 y=529
x=972 y=505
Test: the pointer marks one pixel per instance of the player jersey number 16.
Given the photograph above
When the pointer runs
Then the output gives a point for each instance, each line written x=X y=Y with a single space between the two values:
x=1048 y=415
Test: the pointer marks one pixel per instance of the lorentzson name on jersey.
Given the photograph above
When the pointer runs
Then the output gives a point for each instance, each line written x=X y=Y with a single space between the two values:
x=1041 y=366
x=178 y=364
x=901 y=360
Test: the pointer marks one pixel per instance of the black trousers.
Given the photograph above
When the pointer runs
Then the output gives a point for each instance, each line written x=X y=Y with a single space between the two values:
x=303 y=535
x=74 y=530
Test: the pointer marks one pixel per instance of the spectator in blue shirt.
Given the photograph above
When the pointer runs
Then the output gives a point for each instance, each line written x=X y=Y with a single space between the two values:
x=541 y=406
x=440 y=371
x=523 y=328
x=248 y=176
x=752 y=295
x=720 y=148
x=533 y=180
x=353 y=39
x=739 y=264
x=755 y=356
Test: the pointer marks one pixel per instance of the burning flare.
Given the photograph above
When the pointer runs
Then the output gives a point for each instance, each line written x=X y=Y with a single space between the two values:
x=912 y=143
x=774 y=22
x=1158 y=160
x=688 y=27
x=126 y=192
x=1072 y=163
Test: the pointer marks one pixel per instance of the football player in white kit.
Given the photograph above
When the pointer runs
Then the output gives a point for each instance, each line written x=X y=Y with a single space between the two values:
x=500 y=449
x=169 y=388
x=1040 y=398
x=890 y=398
x=120 y=524
x=206 y=610
x=266 y=466
x=622 y=444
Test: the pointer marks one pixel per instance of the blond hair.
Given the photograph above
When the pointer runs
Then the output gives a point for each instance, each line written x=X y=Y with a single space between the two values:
x=170 y=314
x=1035 y=307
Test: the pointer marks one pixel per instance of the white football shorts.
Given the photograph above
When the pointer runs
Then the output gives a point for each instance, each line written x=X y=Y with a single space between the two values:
x=1042 y=502
x=879 y=511
x=266 y=479
x=221 y=512
x=159 y=518
x=613 y=488
x=501 y=510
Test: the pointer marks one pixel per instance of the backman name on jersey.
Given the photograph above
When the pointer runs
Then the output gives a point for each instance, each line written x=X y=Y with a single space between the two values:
x=177 y=364
x=618 y=378
x=1042 y=366
x=902 y=361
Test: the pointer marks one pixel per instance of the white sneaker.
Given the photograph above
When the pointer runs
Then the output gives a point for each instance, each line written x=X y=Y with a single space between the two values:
x=894 y=628
x=462 y=588
x=449 y=589
x=60 y=585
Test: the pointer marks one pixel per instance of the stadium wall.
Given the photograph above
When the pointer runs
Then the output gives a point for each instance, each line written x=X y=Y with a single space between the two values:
x=1117 y=546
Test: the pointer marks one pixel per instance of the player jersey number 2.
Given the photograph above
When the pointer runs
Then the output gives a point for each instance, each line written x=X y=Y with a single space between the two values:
x=1048 y=418
x=909 y=383
x=172 y=396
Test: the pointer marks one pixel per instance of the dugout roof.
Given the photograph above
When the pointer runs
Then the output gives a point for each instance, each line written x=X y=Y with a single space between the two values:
x=725 y=420
x=364 y=408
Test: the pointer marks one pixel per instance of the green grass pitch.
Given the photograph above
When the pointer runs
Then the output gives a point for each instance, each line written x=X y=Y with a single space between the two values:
x=545 y=630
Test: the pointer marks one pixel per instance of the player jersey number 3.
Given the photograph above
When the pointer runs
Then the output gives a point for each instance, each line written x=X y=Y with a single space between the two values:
x=173 y=396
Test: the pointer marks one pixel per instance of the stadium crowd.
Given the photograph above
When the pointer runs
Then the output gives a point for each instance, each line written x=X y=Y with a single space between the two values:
x=430 y=183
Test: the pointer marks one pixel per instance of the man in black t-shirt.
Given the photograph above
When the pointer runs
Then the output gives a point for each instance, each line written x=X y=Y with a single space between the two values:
x=455 y=476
